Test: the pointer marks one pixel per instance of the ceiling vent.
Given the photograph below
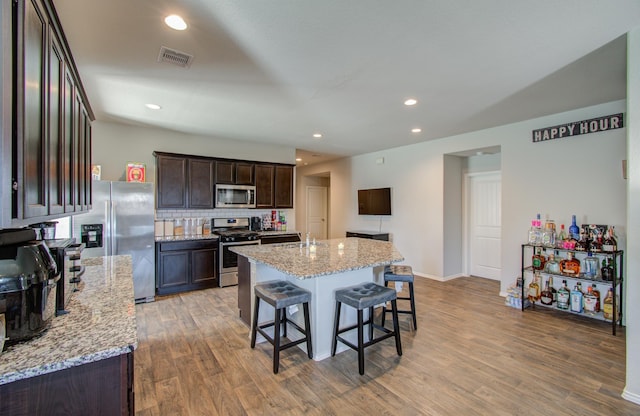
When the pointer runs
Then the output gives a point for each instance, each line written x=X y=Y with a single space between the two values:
x=175 y=57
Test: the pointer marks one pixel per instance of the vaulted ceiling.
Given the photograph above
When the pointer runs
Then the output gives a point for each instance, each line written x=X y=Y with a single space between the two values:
x=280 y=71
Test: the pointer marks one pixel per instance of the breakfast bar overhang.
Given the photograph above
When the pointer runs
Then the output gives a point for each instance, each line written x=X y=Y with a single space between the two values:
x=322 y=269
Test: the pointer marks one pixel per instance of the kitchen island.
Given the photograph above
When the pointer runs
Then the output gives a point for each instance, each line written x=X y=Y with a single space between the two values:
x=331 y=265
x=82 y=364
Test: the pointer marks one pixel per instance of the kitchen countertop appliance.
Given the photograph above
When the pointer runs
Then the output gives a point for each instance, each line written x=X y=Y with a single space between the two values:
x=28 y=280
x=122 y=222
x=232 y=232
x=66 y=252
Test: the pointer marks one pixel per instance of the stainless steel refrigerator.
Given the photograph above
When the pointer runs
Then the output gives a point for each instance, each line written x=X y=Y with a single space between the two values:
x=121 y=222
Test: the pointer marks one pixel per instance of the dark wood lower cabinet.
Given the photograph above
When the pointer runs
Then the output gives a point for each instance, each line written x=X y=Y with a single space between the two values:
x=102 y=387
x=186 y=265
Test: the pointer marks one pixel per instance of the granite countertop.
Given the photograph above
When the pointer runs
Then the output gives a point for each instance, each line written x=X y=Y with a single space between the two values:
x=190 y=237
x=297 y=260
x=101 y=323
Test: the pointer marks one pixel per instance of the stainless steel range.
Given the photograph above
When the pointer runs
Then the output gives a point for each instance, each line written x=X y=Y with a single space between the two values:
x=232 y=232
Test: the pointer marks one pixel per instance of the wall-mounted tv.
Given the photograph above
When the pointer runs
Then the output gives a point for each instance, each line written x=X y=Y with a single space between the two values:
x=374 y=201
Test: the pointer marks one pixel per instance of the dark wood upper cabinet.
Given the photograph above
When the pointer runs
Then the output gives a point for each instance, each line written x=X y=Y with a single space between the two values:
x=51 y=139
x=264 y=186
x=171 y=182
x=30 y=91
x=283 y=186
x=56 y=126
x=201 y=183
x=245 y=173
x=188 y=181
x=234 y=173
x=225 y=172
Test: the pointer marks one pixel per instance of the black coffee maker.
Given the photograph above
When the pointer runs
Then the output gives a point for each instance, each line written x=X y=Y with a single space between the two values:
x=28 y=280
x=255 y=224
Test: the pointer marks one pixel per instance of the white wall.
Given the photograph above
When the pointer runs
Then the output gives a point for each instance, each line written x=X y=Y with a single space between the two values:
x=579 y=175
x=114 y=145
x=632 y=388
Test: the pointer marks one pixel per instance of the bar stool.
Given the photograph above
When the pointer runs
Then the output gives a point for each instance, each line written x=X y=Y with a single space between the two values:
x=403 y=274
x=361 y=297
x=281 y=294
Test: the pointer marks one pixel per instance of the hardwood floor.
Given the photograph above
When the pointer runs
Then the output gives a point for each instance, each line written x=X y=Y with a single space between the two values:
x=471 y=355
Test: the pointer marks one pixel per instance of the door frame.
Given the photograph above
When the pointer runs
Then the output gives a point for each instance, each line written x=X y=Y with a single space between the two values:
x=466 y=212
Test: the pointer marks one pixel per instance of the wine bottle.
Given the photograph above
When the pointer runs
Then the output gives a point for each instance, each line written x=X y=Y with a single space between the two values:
x=546 y=296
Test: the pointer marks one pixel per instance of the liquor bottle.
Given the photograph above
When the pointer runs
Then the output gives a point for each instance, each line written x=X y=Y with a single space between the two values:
x=554 y=292
x=582 y=244
x=596 y=293
x=561 y=237
x=609 y=244
x=591 y=268
x=552 y=265
x=534 y=288
x=606 y=271
x=549 y=234
x=576 y=300
x=570 y=266
x=546 y=296
x=595 y=245
x=574 y=231
x=607 y=306
x=532 y=237
x=563 y=296
x=538 y=260
x=590 y=302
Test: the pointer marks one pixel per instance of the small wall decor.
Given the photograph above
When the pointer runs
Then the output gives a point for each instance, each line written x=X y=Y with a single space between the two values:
x=135 y=172
x=593 y=125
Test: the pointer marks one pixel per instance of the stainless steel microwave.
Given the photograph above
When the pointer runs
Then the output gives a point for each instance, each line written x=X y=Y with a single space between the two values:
x=235 y=196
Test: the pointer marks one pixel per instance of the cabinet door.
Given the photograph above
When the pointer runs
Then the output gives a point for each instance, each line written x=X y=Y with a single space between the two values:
x=87 y=160
x=203 y=265
x=284 y=186
x=81 y=203
x=56 y=126
x=32 y=153
x=244 y=173
x=174 y=269
x=69 y=144
x=201 y=183
x=225 y=172
x=264 y=186
x=171 y=182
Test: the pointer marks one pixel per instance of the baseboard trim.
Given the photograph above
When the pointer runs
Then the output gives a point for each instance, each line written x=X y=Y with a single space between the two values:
x=438 y=278
x=632 y=397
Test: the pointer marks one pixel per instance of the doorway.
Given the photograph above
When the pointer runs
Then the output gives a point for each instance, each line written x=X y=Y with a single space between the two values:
x=317 y=212
x=484 y=219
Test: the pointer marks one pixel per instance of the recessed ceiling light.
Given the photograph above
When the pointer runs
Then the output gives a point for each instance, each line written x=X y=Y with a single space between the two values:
x=416 y=130
x=298 y=159
x=317 y=135
x=153 y=106
x=410 y=101
x=175 y=22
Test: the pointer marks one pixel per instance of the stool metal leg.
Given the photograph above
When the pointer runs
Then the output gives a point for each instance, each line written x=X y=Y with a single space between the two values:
x=254 y=328
x=360 y=343
x=284 y=322
x=370 y=323
x=412 y=299
x=336 y=322
x=396 y=326
x=307 y=325
x=276 y=341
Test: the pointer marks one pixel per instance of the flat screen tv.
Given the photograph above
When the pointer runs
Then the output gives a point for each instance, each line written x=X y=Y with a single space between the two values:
x=374 y=201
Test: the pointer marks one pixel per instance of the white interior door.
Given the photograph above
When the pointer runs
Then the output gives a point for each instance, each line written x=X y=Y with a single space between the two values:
x=484 y=219
x=317 y=212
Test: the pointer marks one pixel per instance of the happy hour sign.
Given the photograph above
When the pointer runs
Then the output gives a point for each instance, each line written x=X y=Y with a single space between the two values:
x=576 y=128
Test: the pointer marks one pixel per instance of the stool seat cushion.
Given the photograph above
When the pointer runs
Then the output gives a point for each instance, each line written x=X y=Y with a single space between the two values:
x=365 y=295
x=280 y=293
x=398 y=274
